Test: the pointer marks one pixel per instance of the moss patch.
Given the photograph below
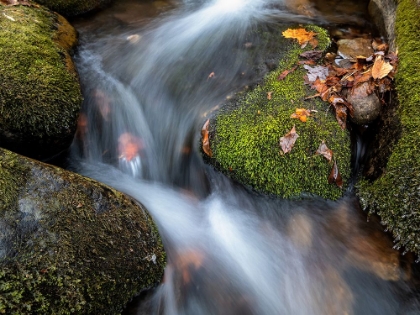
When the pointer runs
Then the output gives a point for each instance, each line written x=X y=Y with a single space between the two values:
x=70 y=245
x=40 y=95
x=395 y=196
x=72 y=7
x=245 y=140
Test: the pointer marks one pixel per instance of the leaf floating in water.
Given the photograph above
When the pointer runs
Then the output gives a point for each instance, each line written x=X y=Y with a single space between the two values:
x=335 y=176
x=205 y=138
x=324 y=151
x=288 y=141
x=129 y=146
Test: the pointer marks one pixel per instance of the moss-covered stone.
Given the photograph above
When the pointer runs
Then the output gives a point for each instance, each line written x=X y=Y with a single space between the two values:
x=245 y=135
x=40 y=94
x=70 y=245
x=395 y=196
x=73 y=7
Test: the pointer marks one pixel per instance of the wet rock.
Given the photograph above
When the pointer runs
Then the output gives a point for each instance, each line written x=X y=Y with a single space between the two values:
x=351 y=48
x=245 y=133
x=73 y=7
x=383 y=13
x=70 y=245
x=40 y=94
x=366 y=104
x=300 y=231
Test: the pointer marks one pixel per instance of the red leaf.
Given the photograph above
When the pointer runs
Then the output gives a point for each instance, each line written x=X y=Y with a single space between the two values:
x=285 y=73
x=335 y=176
x=288 y=141
x=324 y=151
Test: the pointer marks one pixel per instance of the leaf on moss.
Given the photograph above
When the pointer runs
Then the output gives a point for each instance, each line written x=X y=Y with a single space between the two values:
x=312 y=54
x=380 y=68
x=320 y=72
x=301 y=114
x=288 y=140
x=285 y=73
x=335 y=176
x=205 y=138
x=324 y=151
x=302 y=36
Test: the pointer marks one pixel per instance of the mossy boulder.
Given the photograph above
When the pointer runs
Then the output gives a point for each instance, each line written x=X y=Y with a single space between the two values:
x=70 y=245
x=40 y=94
x=395 y=195
x=245 y=133
x=70 y=8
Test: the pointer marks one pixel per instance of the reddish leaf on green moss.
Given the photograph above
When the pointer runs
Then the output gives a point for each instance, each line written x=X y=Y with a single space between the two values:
x=288 y=140
x=324 y=151
x=335 y=176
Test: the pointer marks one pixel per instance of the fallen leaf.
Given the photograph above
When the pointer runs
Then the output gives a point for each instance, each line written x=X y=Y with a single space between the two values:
x=335 y=100
x=335 y=176
x=380 y=68
x=129 y=146
x=341 y=115
x=285 y=73
x=301 y=35
x=205 y=138
x=288 y=141
x=324 y=151
x=320 y=72
x=301 y=114
x=312 y=54
x=211 y=75
x=270 y=95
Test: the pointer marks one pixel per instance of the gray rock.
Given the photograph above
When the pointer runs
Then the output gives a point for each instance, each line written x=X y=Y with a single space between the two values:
x=351 y=48
x=383 y=14
x=367 y=106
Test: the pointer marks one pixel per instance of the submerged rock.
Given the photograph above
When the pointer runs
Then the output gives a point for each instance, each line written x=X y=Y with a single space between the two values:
x=245 y=134
x=70 y=245
x=40 y=94
x=73 y=7
x=366 y=104
x=351 y=48
x=395 y=193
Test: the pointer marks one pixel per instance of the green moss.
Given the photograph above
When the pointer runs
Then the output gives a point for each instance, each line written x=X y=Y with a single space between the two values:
x=245 y=141
x=74 y=7
x=395 y=196
x=70 y=245
x=39 y=89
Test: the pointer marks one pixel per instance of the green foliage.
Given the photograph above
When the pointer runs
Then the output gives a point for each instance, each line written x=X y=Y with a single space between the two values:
x=245 y=141
x=70 y=245
x=396 y=196
x=39 y=91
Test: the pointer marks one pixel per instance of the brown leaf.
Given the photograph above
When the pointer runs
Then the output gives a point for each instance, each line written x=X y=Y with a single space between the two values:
x=324 y=151
x=335 y=176
x=301 y=114
x=362 y=77
x=301 y=35
x=285 y=73
x=129 y=146
x=270 y=95
x=288 y=141
x=380 y=68
x=341 y=114
x=205 y=138
x=335 y=100
x=312 y=54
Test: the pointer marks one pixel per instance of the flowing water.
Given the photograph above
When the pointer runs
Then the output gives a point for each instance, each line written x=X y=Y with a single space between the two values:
x=151 y=73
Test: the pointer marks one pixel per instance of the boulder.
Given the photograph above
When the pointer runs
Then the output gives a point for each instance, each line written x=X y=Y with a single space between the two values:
x=71 y=8
x=245 y=133
x=383 y=14
x=70 y=245
x=366 y=104
x=40 y=94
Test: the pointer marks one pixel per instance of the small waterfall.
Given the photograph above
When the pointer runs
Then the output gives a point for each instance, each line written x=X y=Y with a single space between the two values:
x=147 y=91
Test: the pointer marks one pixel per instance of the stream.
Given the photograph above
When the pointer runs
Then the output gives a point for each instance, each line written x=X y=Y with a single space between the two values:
x=145 y=69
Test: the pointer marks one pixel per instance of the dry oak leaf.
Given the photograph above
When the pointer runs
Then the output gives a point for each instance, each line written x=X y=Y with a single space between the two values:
x=205 y=138
x=285 y=73
x=288 y=141
x=301 y=114
x=381 y=68
x=335 y=176
x=302 y=36
x=324 y=151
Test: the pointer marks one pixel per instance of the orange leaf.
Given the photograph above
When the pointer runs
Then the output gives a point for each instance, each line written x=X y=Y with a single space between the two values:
x=301 y=114
x=380 y=68
x=288 y=141
x=335 y=176
x=302 y=35
x=205 y=138
x=285 y=73
x=324 y=151
x=129 y=146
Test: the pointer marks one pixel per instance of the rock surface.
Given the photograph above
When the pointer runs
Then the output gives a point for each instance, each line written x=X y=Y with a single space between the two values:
x=245 y=134
x=383 y=13
x=366 y=104
x=70 y=245
x=70 y=8
x=40 y=94
x=351 y=48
